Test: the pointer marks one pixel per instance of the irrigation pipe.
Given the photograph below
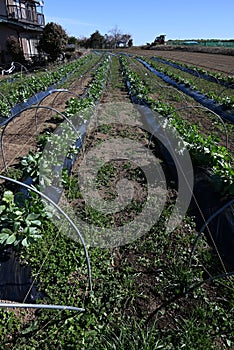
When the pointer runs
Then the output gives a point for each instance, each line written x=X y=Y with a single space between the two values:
x=210 y=279
x=65 y=216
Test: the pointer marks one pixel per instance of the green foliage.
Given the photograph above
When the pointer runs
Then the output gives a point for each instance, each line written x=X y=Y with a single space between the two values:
x=151 y=276
x=111 y=41
x=72 y=40
x=204 y=151
x=130 y=43
x=138 y=89
x=133 y=335
x=96 y=40
x=29 y=165
x=8 y=325
x=53 y=40
x=19 y=225
x=210 y=90
x=4 y=109
x=20 y=90
x=226 y=79
x=14 y=49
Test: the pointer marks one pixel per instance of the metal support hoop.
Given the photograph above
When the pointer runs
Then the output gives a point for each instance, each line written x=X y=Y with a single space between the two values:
x=213 y=216
x=207 y=110
x=18 y=114
x=198 y=107
x=41 y=306
x=70 y=222
x=50 y=93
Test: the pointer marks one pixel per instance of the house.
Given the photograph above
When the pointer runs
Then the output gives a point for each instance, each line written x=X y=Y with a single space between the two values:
x=24 y=20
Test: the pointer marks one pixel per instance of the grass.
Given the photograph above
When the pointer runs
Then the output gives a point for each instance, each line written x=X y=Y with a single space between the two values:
x=187 y=108
x=146 y=295
x=139 y=296
x=201 y=84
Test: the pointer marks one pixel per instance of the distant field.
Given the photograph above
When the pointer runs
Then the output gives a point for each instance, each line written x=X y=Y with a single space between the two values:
x=196 y=48
x=217 y=62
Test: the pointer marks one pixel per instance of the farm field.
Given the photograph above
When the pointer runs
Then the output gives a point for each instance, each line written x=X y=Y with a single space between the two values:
x=216 y=62
x=147 y=287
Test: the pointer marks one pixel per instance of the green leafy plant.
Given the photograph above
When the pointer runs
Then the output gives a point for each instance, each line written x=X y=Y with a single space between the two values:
x=210 y=90
x=29 y=165
x=204 y=150
x=138 y=89
x=19 y=225
x=20 y=90
x=225 y=79
x=53 y=40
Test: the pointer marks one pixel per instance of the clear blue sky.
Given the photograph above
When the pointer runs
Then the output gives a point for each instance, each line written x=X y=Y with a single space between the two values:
x=178 y=19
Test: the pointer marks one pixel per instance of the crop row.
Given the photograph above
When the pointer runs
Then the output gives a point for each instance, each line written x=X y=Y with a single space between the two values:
x=211 y=90
x=145 y=295
x=205 y=151
x=19 y=225
x=226 y=80
x=20 y=90
x=139 y=91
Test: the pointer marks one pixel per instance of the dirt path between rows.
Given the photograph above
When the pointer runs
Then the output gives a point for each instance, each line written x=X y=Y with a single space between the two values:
x=21 y=134
x=215 y=62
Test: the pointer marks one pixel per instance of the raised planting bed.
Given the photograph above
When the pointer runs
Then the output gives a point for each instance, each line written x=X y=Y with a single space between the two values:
x=152 y=291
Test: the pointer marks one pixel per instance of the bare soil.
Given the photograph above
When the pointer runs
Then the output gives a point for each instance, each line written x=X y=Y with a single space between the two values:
x=21 y=135
x=147 y=302
x=209 y=61
x=25 y=315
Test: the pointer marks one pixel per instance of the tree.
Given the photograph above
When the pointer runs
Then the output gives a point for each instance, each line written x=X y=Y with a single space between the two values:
x=124 y=40
x=116 y=36
x=96 y=40
x=82 y=42
x=14 y=49
x=108 y=41
x=53 y=41
x=72 y=40
x=130 y=43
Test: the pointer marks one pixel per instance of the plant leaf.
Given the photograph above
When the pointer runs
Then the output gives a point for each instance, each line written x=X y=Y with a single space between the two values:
x=11 y=239
x=2 y=208
x=8 y=197
x=6 y=231
x=32 y=216
x=25 y=242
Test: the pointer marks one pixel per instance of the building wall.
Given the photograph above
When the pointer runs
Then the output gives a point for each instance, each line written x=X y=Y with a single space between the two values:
x=5 y=32
x=29 y=44
x=28 y=38
x=28 y=41
x=3 y=11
